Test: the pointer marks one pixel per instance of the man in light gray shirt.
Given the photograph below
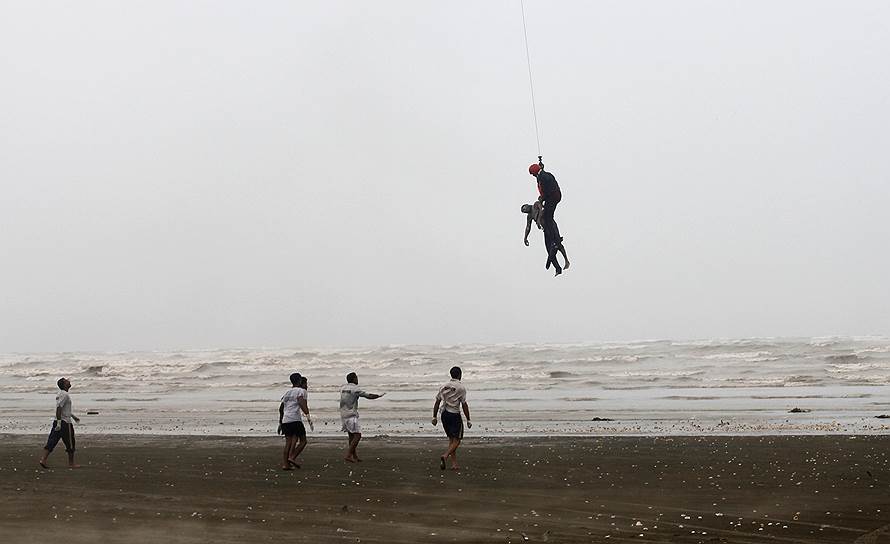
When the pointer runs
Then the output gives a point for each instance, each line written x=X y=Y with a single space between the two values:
x=349 y=395
x=63 y=426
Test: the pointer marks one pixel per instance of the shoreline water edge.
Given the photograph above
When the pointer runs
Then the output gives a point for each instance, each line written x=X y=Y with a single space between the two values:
x=837 y=385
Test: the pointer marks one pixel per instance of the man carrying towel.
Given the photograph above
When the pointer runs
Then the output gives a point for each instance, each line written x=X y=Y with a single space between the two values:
x=454 y=395
x=63 y=428
x=349 y=395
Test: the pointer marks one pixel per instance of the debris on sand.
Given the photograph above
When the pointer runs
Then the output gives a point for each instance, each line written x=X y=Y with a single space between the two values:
x=798 y=410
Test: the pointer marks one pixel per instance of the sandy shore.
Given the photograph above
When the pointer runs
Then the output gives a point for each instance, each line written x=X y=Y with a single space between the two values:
x=598 y=489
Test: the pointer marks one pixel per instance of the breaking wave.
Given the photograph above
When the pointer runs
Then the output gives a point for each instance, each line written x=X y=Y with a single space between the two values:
x=755 y=362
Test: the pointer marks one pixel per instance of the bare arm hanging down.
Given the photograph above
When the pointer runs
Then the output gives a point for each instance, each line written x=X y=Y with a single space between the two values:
x=436 y=411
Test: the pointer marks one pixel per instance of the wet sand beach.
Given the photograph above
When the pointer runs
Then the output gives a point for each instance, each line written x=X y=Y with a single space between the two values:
x=567 y=489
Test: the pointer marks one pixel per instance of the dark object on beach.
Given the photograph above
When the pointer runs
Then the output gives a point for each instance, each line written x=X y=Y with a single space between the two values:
x=601 y=419
x=92 y=412
x=883 y=416
x=798 y=411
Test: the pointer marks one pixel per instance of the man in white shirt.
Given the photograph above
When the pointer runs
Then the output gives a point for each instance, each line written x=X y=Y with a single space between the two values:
x=63 y=428
x=290 y=422
x=454 y=396
x=349 y=395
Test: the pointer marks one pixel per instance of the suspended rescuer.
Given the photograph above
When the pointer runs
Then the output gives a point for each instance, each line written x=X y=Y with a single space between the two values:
x=550 y=197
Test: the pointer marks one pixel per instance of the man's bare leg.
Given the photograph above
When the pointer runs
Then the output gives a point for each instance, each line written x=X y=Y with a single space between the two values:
x=357 y=437
x=352 y=455
x=562 y=250
x=44 y=457
x=454 y=454
x=298 y=449
x=453 y=444
x=288 y=446
x=348 y=456
x=290 y=452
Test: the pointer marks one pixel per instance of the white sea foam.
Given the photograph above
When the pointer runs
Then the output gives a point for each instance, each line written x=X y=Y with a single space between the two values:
x=624 y=379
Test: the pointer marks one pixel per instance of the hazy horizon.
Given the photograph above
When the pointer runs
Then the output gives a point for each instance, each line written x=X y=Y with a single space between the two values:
x=224 y=174
x=378 y=346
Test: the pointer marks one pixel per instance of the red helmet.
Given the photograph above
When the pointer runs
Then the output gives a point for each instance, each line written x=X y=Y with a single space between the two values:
x=534 y=169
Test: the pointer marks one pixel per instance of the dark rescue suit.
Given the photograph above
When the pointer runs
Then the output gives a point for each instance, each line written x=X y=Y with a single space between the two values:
x=551 y=195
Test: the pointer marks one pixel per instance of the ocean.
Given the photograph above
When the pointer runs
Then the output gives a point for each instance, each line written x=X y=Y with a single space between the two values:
x=837 y=385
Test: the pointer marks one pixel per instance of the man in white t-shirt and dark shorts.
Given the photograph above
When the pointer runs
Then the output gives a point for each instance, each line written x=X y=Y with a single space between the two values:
x=454 y=396
x=290 y=422
x=349 y=395
x=63 y=427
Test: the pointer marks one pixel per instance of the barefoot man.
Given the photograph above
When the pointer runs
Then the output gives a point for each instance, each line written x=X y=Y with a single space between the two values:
x=63 y=428
x=290 y=422
x=349 y=395
x=454 y=395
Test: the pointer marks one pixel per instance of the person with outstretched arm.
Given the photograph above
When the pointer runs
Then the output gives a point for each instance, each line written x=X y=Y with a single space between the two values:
x=454 y=396
x=349 y=395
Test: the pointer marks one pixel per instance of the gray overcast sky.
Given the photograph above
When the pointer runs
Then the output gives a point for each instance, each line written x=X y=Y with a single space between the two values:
x=218 y=173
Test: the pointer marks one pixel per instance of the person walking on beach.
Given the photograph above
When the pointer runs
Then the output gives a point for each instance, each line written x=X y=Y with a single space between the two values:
x=349 y=395
x=290 y=422
x=63 y=428
x=454 y=395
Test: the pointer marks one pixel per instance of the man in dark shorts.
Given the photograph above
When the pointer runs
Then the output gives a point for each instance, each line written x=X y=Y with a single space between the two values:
x=550 y=196
x=63 y=427
x=454 y=396
x=290 y=422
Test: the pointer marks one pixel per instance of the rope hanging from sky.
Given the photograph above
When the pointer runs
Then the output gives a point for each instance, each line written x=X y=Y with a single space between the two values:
x=531 y=84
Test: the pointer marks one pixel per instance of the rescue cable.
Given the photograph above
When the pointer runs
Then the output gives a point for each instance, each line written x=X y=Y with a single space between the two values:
x=531 y=84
